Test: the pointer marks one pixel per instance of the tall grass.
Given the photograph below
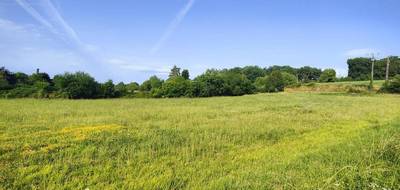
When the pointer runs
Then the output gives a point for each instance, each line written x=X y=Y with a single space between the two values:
x=265 y=141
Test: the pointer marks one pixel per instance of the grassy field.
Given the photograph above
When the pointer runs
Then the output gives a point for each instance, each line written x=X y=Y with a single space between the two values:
x=348 y=86
x=264 y=141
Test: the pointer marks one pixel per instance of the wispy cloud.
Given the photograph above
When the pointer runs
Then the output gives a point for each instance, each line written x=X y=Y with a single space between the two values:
x=36 y=15
x=59 y=20
x=54 y=22
x=131 y=64
x=172 y=26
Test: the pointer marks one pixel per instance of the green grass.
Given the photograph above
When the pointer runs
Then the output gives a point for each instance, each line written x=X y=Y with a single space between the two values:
x=264 y=141
x=348 y=86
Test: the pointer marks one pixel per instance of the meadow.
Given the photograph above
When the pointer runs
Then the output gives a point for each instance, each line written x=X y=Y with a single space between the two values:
x=264 y=141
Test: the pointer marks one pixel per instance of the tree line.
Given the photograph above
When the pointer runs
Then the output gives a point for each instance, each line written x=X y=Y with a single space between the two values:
x=360 y=68
x=235 y=81
x=225 y=82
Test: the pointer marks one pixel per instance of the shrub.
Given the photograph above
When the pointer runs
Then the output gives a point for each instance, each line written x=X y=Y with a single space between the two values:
x=328 y=75
x=152 y=82
x=173 y=87
x=275 y=82
x=259 y=84
x=289 y=79
x=392 y=86
x=358 y=89
x=76 y=86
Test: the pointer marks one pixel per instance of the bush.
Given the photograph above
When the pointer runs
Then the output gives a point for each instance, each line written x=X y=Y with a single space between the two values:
x=289 y=79
x=275 y=82
x=173 y=87
x=76 y=86
x=259 y=84
x=392 y=86
x=328 y=75
x=358 y=89
x=152 y=82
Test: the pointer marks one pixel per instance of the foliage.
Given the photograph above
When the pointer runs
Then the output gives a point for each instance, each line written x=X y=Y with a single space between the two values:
x=393 y=86
x=260 y=84
x=77 y=85
x=360 y=68
x=289 y=79
x=40 y=77
x=225 y=82
x=173 y=87
x=108 y=89
x=175 y=72
x=308 y=74
x=328 y=75
x=7 y=79
x=275 y=82
x=153 y=83
x=253 y=72
x=208 y=84
x=185 y=74
x=286 y=69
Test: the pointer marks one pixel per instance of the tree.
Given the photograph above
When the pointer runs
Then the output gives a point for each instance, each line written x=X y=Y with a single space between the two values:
x=7 y=79
x=21 y=78
x=289 y=79
x=40 y=77
x=307 y=74
x=77 y=85
x=151 y=83
x=275 y=82
x=132 y=87
x=108 y=89
x=253 y=72
x=393 y=86
x=185 y=74
x=260 y=84
x=208 y=84
x=328 y=75
x=174 y=87
x=285 y=68
x=120 y=90
x=175 y=71
x=235 y=84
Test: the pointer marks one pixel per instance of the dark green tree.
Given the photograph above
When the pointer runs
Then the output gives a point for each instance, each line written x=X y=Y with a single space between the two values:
x=275 y=82
x=108 y=89
x=76 y=85
x=328 y=75
x=185 y=74
x=289 y=79
x=152 y=83
x=307 y=74
x=253 y=72
x=7 y=79
x=174 y=87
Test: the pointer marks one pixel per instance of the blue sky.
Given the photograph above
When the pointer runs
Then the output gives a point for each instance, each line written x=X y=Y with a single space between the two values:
x=130 y=40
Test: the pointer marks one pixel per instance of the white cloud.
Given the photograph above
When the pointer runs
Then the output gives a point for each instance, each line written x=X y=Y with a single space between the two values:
x=36 y=15
x=50 y=18
x=132 y=64
x=172 y=26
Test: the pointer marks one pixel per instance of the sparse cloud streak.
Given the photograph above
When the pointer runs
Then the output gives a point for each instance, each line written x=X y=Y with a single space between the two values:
x=67 y=29
x=172 y=26
x=54 y=22
x=36 y=15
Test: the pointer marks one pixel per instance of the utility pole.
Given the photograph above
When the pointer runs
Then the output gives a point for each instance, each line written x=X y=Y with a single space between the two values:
x=371 y=83
x=387 y=69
